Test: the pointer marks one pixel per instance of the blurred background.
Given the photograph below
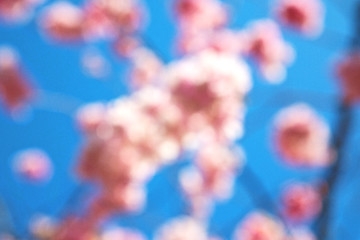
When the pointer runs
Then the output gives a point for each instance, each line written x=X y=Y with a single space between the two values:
x=57 y=72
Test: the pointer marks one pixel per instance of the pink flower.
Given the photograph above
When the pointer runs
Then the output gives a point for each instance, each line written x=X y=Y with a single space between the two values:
x=212 y=178
x=146 y=67
x=14 y=88
x=301 y=234
x=208 y=88
x=259 y=226
x=63 y=22
x=182 y=228
x=189 y=42
x=90 y=117
x=127 y=141
x=348 y=72
x=42 y=227
x=97 y=24
x=200 y=15
x=301 y=137
x=33 y=164
x=269 y=50
x=129 y=197
x=124 y=46
x=301 y=202
x=306 y=16
x=121 y=234
x=222 y=41
x=14 y=11
x=194 y=187
x=213 y=159
x=95 y=65
x=106 y=18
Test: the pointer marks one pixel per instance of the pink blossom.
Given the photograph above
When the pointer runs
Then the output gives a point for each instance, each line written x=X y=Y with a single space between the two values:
x=14 y=11
x=212 y=179
x=94 y=64
x=121 y=234
x=182 y=228
x=146 y=67
x=90 y=117
x=130 y=138
x=258 y=226
x=113 y=17
x=97 y=24
x=42 y=227
x=301 y=234
x=301 y=202
x=348 y=72
x=301 y=137
x=215 y=158
x=15 y=91
x=124 y=46
x=306 y=16
x=116 y=198
x=129 y=197
x=127 y=141
x=269 y=50
x=189 y=42
x=200 y=15
x=208 y=88
x=224 y=41
x=63 y=21
x=33 y=164
x=194 y=187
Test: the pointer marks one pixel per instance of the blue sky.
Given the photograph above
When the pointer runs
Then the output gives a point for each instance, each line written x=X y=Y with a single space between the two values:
x=55 y=69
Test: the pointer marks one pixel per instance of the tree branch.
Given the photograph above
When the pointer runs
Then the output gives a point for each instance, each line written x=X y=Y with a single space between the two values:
x=341 y=133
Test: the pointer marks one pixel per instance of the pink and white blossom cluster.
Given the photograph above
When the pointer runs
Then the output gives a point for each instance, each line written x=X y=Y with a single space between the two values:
x=209 y=89
x=212 y=178
x=65 y=22
x=269 y=50
x=127 y=141
x=196 y=100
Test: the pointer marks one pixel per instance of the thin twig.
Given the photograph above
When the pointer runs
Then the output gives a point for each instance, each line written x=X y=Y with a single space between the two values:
x=341 y=133
x=255 y=188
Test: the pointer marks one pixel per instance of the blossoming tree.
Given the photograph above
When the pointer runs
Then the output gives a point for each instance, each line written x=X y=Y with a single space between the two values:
x=168 y=154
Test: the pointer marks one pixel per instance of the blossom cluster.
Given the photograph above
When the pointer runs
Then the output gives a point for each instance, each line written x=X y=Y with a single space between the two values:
x=194 y=103
x=66 y=22
x=202 y=25
x=212 y=178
